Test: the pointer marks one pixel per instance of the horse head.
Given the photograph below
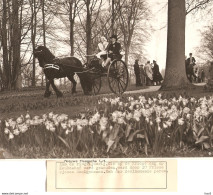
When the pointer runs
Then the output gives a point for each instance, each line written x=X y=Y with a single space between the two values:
x=43 y=55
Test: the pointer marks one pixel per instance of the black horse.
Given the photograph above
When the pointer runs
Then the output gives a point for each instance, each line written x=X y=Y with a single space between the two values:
x=59 y=68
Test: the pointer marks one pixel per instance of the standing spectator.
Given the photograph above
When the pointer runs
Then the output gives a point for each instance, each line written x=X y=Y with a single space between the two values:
x=196 y=72
x=148 y=71
x=142 y=75
x=157 y=77
x=202 y=76
x=190 y=63
x=209 y=84
x=137 y=73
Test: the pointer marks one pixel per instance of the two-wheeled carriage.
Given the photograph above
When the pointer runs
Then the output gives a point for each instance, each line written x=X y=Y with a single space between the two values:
x=116 y=73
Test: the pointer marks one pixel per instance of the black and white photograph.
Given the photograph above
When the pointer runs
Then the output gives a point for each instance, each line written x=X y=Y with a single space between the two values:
x=106 y=79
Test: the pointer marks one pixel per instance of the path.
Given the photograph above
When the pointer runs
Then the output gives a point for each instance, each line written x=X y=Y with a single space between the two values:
x=149 y=89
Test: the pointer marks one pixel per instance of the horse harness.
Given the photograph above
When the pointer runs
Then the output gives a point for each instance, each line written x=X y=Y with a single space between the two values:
x=52 y=66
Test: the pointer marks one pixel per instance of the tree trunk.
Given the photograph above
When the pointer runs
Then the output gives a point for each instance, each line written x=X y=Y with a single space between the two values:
x=16 y=41
x=6 y=65
x=126 y=54
x=33 y=36
x=43 y=23
x=72 y=22
x=113 y=17
x=88 y=29
x=175 y=75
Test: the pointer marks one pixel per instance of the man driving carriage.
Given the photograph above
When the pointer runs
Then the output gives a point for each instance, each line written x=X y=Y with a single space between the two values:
x=113 y=49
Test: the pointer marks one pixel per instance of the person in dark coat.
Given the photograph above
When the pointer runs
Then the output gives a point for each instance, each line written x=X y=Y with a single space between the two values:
x=113 y=50
x=190 y=63
x=202 y=77
x=137 y=73
x=157 y=77
x=142 y=75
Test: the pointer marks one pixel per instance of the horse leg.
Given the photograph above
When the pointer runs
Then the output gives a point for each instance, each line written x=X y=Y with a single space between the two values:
x=58 y=93
x=47 y=91
x=74 y=83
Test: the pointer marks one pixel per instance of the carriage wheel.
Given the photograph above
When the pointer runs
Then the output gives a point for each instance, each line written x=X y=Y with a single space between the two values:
x=96 y=85
x=118 y=76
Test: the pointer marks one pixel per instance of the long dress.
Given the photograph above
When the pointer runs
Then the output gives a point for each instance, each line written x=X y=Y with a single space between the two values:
x=102 y=46
x=148 y=71
x=209 y=84
x=157 y=77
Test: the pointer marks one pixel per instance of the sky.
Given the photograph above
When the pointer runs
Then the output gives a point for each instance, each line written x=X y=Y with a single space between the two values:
x=156 y=47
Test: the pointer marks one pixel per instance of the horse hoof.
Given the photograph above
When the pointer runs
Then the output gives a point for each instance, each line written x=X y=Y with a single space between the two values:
x=47 y=94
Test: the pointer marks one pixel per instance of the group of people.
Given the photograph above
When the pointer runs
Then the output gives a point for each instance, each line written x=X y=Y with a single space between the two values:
x=148 y=74
x=193 y=74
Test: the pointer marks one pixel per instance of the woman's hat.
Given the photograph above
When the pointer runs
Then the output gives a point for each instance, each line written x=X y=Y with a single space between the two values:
x=114 y=36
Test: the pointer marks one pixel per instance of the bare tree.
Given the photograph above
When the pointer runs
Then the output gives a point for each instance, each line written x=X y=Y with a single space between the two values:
x=195 y=5
x=206 y=48
x=132 y=14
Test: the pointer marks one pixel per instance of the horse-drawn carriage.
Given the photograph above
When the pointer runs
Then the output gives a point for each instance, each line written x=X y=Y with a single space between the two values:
x=90 y=75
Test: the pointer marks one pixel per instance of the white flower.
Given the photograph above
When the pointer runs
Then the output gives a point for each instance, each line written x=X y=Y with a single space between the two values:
x=44 y=116
x=121 y=120
x=186 y=110
x=71 y=122
x=64 y=125
x=137 y=115
x=169 y=123
x=79 y=127
x=6 y=131
x=130 y=99
x=19 y=120
x=7 y=124
x=61 y=117
x=50 y=115
x=158 y=120
x=165 y=126
x=52 y=129
x=56 y=123
x=12 y=124
x=131 y=107
x=23 y=128
x=102 y=128
x=120 y=103
x=173 y=116
x=27 y=116
x=84 y=122
x=211 y=109
x=11 y=136
x=16 y=132
x=129 y=116
x=180 y=121
x=188 y=116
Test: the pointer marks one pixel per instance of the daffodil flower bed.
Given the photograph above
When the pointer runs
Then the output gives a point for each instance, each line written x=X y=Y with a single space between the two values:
x=118 y=125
